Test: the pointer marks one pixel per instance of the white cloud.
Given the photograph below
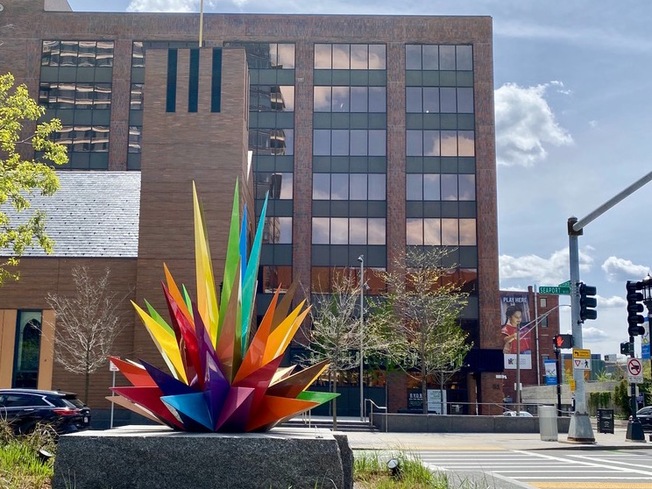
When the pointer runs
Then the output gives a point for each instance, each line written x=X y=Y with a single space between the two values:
x=591 y=333
x=615 y=302
x=170 y=5
x=547 y=271
x=525 y=124
x=621 y=270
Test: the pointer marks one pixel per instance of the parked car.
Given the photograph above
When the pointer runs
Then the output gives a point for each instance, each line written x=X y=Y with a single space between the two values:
x=524 y=414
x=25 y=408
x=644 y=415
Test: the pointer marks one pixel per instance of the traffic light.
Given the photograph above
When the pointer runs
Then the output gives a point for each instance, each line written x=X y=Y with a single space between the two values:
x=563 y=341
x=627 y=348
x=588 y=302
x=634 y=306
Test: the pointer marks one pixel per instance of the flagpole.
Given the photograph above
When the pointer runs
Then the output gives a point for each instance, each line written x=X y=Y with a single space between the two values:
x=201 y=22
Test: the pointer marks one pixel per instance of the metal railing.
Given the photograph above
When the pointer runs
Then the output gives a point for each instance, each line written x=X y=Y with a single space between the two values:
x=372 y=404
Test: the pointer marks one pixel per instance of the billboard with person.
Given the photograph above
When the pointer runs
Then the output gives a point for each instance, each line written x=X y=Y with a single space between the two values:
x=516 y=327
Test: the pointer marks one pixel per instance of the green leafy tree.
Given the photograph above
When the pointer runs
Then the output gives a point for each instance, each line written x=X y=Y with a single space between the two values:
x=421 y=318
x=21 y=177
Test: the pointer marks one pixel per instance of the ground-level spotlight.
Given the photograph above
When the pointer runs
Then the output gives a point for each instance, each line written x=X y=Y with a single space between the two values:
x=44 y=455
x=395 y=467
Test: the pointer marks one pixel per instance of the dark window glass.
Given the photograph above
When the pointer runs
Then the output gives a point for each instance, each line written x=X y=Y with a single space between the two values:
x=216 y=81
x=358 y=143
x=377 y=143
x=358 y=186
x=431 y=100
x=414 y=186
x=340 y=142
x=275 y=277
x=413 y=143
x=377 y=190
x=278 y=230
x=448 y=99
x=135 y=139
x=27 y=349
x=279 y=185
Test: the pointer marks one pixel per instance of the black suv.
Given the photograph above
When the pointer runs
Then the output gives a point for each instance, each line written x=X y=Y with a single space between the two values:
x=644 y=415
x=24 y=408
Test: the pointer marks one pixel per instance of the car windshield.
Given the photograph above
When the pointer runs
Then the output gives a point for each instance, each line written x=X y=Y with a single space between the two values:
x=75 y=402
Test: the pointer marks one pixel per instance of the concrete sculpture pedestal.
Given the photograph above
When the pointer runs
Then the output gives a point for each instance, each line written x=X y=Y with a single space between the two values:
x=157 y=457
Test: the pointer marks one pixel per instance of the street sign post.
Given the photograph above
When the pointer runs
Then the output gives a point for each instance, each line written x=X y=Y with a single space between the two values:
x=581 y=359
x=634 y=371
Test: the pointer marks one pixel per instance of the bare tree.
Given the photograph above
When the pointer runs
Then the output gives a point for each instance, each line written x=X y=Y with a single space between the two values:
x=87 y=324
x=335 y=334
x=421 y=318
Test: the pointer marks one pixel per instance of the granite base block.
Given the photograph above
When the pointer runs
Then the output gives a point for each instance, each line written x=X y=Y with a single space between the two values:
x=145 y=457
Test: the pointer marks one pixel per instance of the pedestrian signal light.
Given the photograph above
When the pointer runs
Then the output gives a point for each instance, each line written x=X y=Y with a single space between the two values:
x=627 y=348
x=634 y=307
x=588 y=302
x=563 y=341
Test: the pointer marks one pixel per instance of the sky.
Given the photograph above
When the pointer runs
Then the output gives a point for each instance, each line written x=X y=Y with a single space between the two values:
x=573 y=129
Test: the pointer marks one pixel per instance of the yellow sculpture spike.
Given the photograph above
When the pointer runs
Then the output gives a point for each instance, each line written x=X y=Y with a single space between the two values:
x=176 y=293
x=206 y=294
x=282 y=373
x=166 y=344
x=280 y=338
x=284 y=306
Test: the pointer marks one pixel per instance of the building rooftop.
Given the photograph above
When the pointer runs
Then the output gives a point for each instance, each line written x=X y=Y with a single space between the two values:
x=93 y=214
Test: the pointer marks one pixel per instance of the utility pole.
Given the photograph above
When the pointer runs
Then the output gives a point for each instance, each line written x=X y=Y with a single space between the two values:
x=580 y=430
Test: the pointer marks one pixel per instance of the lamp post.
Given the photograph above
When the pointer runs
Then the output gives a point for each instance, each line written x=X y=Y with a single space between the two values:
x=361 y=260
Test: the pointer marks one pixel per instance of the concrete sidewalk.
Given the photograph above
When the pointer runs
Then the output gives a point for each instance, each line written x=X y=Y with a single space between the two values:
x=360 y=440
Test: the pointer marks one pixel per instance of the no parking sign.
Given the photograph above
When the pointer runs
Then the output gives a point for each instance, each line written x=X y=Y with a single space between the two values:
x=634 y=371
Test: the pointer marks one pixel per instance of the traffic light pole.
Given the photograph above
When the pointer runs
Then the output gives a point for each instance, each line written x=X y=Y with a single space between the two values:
x=580 y=429
x=634 y=428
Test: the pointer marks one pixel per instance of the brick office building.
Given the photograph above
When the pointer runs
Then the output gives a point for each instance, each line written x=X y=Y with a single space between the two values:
x=371 y=133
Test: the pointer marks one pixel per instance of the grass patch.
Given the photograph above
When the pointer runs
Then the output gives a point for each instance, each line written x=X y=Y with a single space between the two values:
x=370 y=471
x=20 y=465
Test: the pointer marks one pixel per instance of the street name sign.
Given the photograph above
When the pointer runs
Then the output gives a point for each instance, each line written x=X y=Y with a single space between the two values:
x=634 y=371
x=554 y=290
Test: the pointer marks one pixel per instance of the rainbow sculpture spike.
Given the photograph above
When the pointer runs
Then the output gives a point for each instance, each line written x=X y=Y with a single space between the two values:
x=222 y=378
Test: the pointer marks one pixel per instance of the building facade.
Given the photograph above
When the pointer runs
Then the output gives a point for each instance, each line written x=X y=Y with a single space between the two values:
x=370 y=133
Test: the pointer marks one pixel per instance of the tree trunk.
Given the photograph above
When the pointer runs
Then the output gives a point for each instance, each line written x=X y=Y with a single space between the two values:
x=424 y=390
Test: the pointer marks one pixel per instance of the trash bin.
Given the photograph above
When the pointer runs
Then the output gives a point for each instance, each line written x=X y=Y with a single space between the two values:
x=548 y=423
x=605 y=421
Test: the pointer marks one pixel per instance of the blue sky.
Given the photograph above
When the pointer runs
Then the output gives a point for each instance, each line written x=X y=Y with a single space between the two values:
x=573 y=129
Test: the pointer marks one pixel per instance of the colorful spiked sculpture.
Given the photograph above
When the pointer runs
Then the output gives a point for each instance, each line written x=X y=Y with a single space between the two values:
x=219 y=380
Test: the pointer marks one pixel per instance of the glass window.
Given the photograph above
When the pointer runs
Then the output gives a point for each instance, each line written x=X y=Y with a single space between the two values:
x=136 y=98
x=412 y=57
x=358 y=186
x=466 y=187
x=446 y=57
x=464 y=58
x=414 y=143
x=377 y=185
x=321 y=142
x=432 y=232
x=413 y=100
x=466 y=143
x=359 y=56
x=278 y=230
x=447 y=97
x=27 y=349
x=431 y=143
x=340 y=142
x=323 y=56
x=430 y=57
x=279 y=185
x=340 y=99
x=357 y=230
x=322 y=99
x=449 y=232
x=376 y=232
x=431 y=100
x=414 y=231
x=431 y=190
x=275 y=277
x=339 y=230
x=135 y=139
x=321 y=186
x=341 y=58
x=414 y=188
x=359 y=99
x=377 y=99
x=359 y=143
x=377 y=57
x=340 y=186
x=465 y=100
x=448 y=143
x=320 y=230
x=377 y=143
x=467 y=232
x=282 y=56
x=449 y=187
x=543 y=302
